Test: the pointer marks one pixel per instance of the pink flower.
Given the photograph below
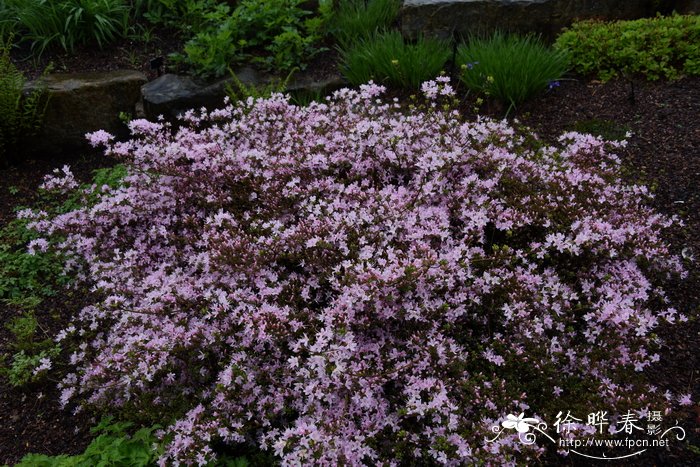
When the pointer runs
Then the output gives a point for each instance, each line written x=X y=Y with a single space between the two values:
x=685 y=399
x=99 y=138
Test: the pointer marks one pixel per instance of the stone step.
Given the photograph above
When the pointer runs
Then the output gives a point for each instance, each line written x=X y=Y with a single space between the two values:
x=454 y=18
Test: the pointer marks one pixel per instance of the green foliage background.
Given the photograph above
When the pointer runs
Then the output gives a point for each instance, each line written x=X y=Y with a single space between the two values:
x=654 y=48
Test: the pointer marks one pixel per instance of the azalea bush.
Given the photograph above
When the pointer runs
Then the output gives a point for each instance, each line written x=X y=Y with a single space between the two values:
x=354 y=282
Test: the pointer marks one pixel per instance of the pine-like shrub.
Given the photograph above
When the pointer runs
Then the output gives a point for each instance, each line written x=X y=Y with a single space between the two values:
x=355 y=283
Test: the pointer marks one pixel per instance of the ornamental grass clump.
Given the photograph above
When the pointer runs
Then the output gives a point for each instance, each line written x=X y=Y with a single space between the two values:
x=388 y=58
x=355 y=283
x=353 y=20
x=509 y=67
x=65 y=23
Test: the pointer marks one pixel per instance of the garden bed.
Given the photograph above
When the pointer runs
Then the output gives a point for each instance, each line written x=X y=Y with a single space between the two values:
x=662 y=153
x=221 y=291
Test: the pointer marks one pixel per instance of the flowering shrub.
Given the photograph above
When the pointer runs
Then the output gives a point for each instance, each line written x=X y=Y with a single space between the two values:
x=353 y=282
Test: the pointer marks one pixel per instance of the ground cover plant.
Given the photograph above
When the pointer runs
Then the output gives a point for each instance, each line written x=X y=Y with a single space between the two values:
x=654 y=48
x=113 y=445
x=510 y=68
x=355 y=282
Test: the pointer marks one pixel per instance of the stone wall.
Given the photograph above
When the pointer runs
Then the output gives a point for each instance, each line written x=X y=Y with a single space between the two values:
x=82 y=103
x=454 y=18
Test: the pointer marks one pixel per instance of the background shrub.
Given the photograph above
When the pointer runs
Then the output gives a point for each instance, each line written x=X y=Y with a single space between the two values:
x=510 y=68
x=355 y=20
x=186 y=16
x=351 y=282
x=278 y=35
x=661 y=47
x=388 y=58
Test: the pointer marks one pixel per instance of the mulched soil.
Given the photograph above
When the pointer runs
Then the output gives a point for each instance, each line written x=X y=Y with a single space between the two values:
x=129 y=53
x=664 y=152
x=30 y=418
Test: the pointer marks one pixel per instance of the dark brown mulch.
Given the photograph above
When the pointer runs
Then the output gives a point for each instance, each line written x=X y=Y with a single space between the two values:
x=30 y=418
x=128 y=53
x=664 y=152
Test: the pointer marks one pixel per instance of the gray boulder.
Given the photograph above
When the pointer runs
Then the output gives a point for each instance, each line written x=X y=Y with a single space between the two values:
x=171 y=95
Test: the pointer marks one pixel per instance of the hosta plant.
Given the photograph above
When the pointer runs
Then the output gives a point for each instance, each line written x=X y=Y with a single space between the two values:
x=355 y=283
